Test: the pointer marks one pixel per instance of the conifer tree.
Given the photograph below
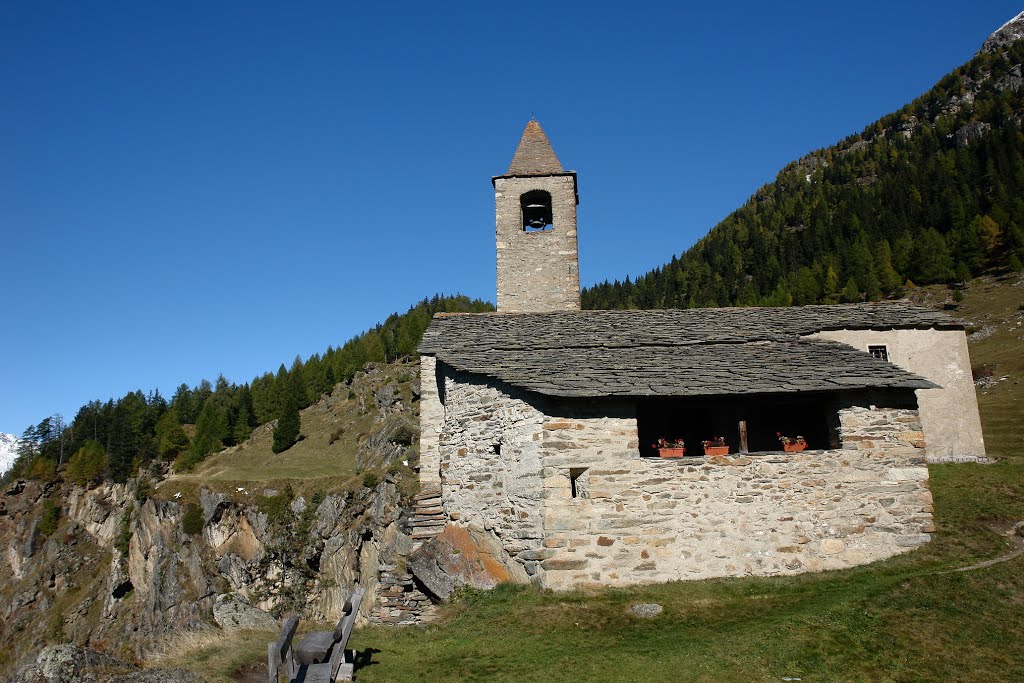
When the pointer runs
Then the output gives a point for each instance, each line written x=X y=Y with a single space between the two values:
x=933 y=262
x=171 y=439
x=850 y=293
x=87 y=465
x=211 y=430
x=286 y=433
x=183 y=404
x=289 y=423
x=242 y=429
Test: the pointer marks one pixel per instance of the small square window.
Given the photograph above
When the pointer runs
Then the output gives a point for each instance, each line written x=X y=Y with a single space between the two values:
x=879 y=351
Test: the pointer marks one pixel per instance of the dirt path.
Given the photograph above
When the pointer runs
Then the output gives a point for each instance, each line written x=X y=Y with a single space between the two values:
x=1014 y=538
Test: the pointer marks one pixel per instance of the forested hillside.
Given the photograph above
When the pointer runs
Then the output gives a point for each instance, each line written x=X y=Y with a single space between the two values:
x=112 y=440
x=932 y=193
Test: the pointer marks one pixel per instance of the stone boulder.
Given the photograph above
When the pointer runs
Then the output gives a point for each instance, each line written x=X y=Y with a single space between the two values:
x=232 y=611
x=463 y=556
x=646 y=610
x=68 y=664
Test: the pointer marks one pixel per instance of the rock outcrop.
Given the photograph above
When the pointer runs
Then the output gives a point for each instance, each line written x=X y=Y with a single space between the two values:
x=463 y=556
x=69 y=664
x=123 y=567
x=119 y=576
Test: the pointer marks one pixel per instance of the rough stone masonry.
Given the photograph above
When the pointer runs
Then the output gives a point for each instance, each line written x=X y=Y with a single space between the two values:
x=510 y=463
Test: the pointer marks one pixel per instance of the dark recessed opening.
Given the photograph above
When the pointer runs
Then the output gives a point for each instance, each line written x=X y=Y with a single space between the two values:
x=537 y=213
x=577 y=482
x=879 y=351
x=699 y=419
x=122 y=590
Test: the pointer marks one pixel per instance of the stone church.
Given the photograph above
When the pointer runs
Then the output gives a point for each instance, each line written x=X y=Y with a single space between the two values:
x=538 y=421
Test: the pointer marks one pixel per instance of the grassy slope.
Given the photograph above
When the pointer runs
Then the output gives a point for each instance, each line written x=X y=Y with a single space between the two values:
x=899 y=620
x=314 y=463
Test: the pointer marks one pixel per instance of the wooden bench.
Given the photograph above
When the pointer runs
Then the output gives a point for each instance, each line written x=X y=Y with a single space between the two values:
x=279 y=653
x=320 y=657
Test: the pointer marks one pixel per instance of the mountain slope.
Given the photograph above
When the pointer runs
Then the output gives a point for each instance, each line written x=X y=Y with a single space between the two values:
x=931 y=193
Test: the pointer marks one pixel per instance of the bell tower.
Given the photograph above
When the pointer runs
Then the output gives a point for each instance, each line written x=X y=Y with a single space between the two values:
x=535 y=215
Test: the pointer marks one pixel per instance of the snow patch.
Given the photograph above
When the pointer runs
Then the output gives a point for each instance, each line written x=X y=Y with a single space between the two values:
x=8 y=451
x=1019 y=17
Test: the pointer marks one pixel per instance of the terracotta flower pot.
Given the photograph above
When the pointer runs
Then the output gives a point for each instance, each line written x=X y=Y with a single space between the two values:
x=793 y=447
x=671 y=452
x=716 y=450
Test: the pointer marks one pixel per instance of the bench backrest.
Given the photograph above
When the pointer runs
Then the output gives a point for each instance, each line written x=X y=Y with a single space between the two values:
x=279 y=652
x=343 y=630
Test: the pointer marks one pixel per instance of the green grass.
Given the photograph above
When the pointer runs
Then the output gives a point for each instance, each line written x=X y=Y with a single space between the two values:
x=216 y=655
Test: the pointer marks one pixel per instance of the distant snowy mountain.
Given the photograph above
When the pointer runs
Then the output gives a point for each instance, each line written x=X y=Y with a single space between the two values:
x=8 y=451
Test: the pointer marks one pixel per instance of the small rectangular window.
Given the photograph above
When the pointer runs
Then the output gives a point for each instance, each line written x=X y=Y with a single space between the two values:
x=578 y=482
x=879 y=351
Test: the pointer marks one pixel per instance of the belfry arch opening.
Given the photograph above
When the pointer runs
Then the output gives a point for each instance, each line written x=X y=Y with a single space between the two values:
x=537 y=213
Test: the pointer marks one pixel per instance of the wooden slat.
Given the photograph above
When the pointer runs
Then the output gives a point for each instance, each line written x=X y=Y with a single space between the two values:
x=318 y=673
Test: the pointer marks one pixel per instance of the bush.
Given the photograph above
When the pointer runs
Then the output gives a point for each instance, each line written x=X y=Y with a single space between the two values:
x=370 y=479
x=49 y=518
x=143 y=490
x=43 y=469
x=277 y=508
x=124 y=539
x=982 y=372
x=55 y=632
x=87 y=465
x=192 y=522
x=402 y=434
x=186 y=461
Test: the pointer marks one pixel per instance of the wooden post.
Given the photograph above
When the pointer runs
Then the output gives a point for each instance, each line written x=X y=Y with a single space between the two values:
x=743 y=437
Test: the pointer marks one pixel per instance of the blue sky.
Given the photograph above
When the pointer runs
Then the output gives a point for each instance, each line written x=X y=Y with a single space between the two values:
x=189 y=189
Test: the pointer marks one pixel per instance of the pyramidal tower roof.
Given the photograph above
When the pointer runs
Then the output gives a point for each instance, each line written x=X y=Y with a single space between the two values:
x=534 y=155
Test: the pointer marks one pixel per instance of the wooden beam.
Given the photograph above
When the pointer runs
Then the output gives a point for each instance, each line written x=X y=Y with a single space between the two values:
x=743 y=437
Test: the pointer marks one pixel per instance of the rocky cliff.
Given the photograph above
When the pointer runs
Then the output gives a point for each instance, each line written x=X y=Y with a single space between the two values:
x=117 y=568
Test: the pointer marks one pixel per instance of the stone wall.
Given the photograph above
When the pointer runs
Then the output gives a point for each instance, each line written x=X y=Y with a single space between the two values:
x=537 y=271
x=511 y=461
x=431 y=418
x=490 y=446
x=642 y=520
x=949 y=415
x=399 y=601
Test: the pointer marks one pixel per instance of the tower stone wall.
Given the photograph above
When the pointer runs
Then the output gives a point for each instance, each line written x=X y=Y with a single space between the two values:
x=537 y=271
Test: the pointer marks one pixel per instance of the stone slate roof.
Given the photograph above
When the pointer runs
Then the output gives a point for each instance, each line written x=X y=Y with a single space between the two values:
x=534 y=155
x=691 y=352
x=765 y=367
x=668 y=327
